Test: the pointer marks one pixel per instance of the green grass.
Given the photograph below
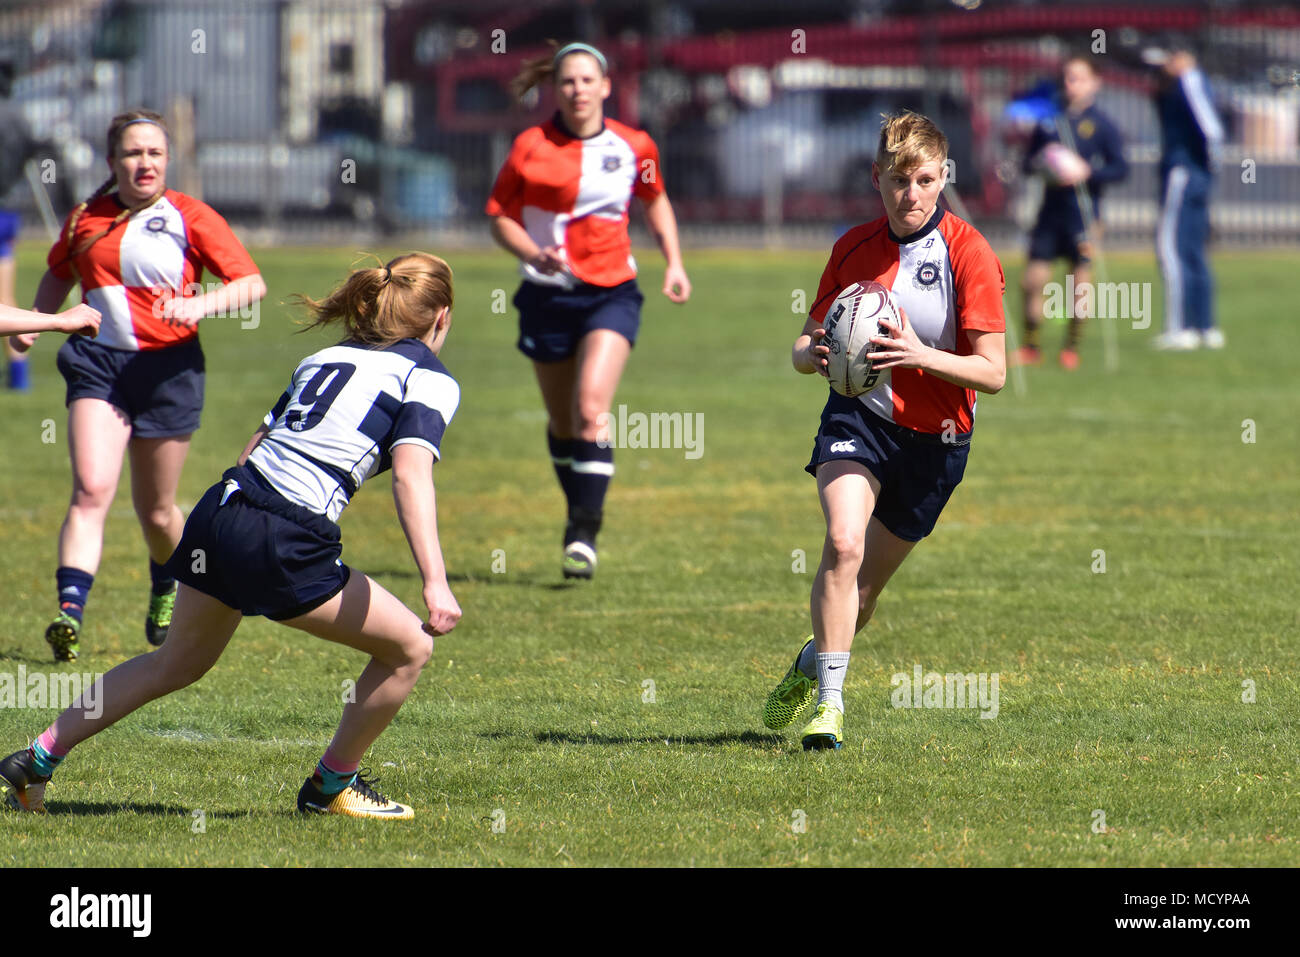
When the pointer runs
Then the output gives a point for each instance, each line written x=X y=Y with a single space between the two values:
x=1120 y=692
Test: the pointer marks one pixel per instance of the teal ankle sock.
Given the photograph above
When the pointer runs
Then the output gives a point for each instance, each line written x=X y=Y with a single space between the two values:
x=331 y=781
x=44 y=763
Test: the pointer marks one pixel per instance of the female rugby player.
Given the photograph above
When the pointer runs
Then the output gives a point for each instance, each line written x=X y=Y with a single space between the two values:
x=139 y=253
x=263 y=541
x=560 y=205
x=887 y=461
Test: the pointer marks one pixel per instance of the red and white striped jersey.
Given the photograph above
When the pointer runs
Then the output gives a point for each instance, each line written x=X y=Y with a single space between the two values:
x=154 y=256
x=948 y=281
x=574 y=193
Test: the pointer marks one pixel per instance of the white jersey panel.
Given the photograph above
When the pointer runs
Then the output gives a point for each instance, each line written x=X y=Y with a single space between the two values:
x=344 y=411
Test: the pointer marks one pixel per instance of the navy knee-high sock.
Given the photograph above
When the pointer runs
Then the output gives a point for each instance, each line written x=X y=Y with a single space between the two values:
x=593 y=467
x=562 y=459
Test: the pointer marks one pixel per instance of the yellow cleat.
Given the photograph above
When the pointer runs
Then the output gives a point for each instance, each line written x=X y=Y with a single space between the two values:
x=358 y=799
x=825 y=730
x=789 y=698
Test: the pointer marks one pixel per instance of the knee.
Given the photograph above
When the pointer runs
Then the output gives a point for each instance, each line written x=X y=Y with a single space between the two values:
x=591 y=419
x=844 y=549
x=417 y=651
x=173 y=672
x=158 y=517
x=93 y=496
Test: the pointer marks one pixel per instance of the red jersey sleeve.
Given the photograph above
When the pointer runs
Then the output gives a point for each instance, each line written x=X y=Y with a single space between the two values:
x=57 y=260
x=211 y=238
x=649 y=183
x=979 y=282
x=507 y=198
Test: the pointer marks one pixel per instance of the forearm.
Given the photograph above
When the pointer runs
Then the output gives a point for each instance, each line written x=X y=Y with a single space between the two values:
x=970 y=371
x=801 y=356
x=413 y=494
x=512 y=237
x=15 y=322
x=663 y=224
x=233 y=296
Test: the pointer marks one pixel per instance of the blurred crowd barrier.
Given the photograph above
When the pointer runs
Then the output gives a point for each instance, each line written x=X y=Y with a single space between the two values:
x=325 y=118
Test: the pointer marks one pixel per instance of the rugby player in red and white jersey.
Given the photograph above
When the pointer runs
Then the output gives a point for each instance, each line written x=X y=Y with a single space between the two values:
x=139 y=253
x=886 y=462
x=560 y=204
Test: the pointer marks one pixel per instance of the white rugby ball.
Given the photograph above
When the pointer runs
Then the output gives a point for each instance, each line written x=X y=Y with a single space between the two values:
x=1061 y=164
x=853 y=318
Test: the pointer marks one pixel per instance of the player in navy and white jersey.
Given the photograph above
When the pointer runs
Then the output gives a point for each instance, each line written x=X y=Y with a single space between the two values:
x=1064 y=228
x=263 y=540
x=1191 y=137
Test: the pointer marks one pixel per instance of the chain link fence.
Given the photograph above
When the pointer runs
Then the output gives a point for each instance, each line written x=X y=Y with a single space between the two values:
x=323 y=119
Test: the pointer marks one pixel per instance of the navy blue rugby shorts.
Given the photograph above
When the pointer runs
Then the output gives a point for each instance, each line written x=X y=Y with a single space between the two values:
x=552 y=321
x=249 y=547
x=918 y=471
x=159 y=390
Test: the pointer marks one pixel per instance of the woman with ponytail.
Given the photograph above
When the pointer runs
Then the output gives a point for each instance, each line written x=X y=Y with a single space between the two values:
x=263 y=540
x=560 y=206
x=139 y=250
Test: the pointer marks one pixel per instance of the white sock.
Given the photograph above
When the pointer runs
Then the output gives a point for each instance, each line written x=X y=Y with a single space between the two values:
x=808 y=659
x=831 y=666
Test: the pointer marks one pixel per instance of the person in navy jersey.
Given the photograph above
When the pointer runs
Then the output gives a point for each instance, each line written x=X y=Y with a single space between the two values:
x=560 y=205
x=263 y=540
x=1065 y=229
x=1191 y=137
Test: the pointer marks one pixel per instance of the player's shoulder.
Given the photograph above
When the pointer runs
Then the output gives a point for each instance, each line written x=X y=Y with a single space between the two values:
x=419 y=355
x=638 y=139
x=961 y=236
x=857 y=238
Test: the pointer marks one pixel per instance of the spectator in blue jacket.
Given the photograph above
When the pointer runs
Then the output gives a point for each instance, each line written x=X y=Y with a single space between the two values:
x=1191 y=137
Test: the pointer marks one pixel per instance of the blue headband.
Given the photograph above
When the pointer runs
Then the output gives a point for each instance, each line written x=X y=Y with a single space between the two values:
x=139 y=119
x=564 y=51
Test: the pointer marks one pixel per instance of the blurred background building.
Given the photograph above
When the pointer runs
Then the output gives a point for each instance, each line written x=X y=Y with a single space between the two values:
x=330 y=119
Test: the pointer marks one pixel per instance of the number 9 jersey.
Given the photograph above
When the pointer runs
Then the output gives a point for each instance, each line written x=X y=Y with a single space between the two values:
x=347 y=407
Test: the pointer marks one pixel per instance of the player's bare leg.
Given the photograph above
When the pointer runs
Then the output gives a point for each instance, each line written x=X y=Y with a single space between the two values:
x=156 y=466
x=1038 y=272
x=1084 y=302
x=848 y=492
x=367 y=617
x=202 y=627
x=98 y=433
x=884 y=553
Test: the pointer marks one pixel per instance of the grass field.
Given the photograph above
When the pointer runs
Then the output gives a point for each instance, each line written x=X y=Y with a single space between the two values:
x=1121 y=691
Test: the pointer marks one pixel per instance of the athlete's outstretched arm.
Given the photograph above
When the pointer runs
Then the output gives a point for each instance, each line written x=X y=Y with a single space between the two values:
x=663 y=223
x=418 y=512
x=49 y=297
x=79 y=319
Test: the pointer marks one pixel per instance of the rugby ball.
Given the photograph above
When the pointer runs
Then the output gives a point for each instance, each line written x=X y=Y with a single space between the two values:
x=1060 y=165
x=853 y=318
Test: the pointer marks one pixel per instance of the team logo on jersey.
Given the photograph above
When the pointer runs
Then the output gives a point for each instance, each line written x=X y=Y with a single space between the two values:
x=927 y=274
x=156 y=224
x=841 y=447
x=611 y=163
x=1086 y=128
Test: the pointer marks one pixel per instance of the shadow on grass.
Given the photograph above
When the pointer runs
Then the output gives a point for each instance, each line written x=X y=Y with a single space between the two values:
x=513 y=580
x=751 y=738
x=87 y=809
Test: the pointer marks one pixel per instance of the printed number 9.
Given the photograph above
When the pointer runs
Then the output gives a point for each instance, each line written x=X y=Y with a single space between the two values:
x=319 y=394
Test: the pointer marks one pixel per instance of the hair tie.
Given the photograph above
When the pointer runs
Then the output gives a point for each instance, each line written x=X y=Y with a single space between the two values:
x=388 y=274
x=565 y=50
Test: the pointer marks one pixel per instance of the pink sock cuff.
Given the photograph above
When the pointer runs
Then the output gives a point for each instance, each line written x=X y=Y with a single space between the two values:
x=337 y=764
x=47 y=741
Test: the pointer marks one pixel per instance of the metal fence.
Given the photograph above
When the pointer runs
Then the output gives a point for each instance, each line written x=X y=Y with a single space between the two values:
x=322 y=118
